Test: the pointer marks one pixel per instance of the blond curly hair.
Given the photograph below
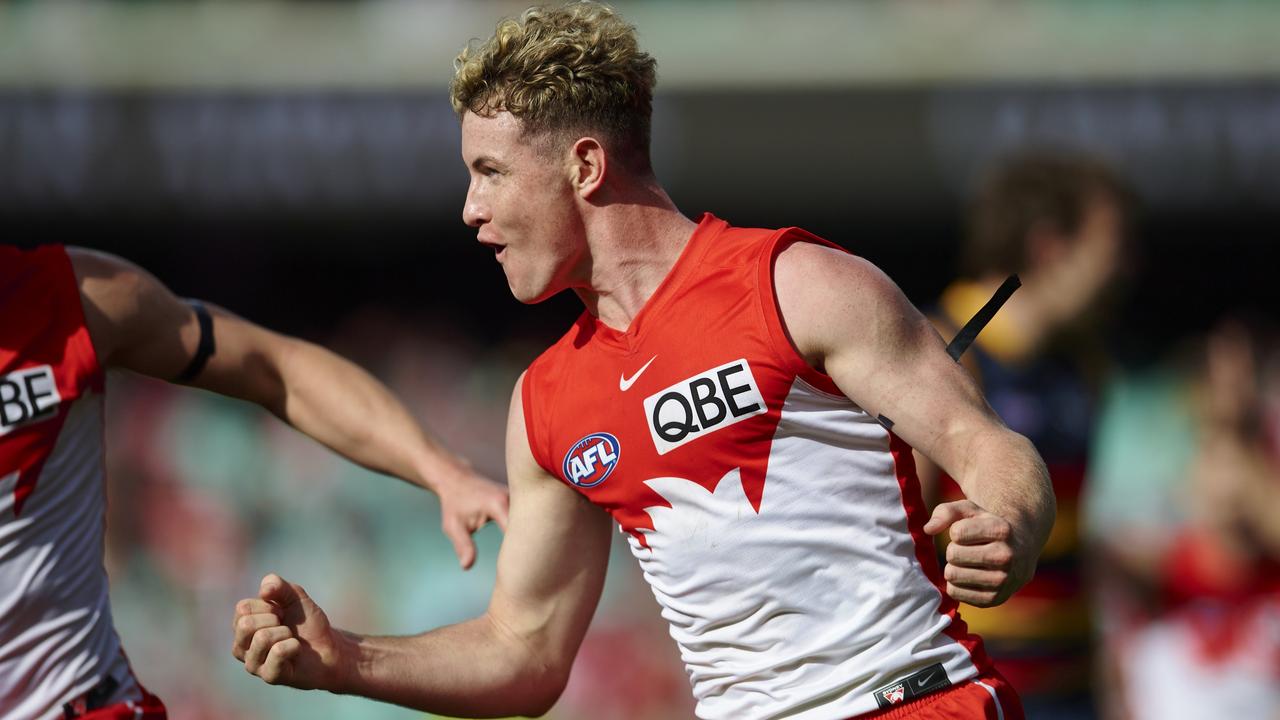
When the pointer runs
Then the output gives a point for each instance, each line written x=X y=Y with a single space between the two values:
x=561 y=70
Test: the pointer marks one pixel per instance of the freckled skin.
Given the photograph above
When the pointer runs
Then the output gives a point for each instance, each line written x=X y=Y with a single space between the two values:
x=520 y=200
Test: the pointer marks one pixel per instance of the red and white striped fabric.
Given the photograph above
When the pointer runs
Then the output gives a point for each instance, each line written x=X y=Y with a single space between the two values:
x=778 y=524
x=57 y=642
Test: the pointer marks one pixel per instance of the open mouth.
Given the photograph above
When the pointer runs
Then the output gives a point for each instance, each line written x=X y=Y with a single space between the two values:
x=498 y=249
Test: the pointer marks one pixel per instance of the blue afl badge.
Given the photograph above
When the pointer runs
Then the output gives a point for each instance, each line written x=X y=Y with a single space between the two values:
x=592 y=459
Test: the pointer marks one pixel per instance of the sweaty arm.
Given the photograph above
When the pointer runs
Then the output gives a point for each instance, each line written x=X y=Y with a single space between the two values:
x=512 y=660
x=136 y=323
x=848 y=320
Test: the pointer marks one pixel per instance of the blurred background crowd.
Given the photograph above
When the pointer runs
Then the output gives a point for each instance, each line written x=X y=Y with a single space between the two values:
x=298 y=163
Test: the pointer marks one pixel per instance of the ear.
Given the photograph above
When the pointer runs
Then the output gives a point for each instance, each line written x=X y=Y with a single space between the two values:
x=1046 y=244
x=587 y=166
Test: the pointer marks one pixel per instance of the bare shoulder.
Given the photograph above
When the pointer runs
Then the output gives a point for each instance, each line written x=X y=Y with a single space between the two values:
x=525 y=475
x=109 y=284
x=521 y=465
x=88 y=261
x=806 y=257
x=124 y=306
x=828 y=297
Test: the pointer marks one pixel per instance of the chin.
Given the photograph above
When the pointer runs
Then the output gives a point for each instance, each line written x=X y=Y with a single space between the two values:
x=529 y=289
x=525 y=299
x=532 y=295
x=524 y=294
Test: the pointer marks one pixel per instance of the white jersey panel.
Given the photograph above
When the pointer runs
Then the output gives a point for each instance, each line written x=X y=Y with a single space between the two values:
x=56 y=636
x=805 y=609
x=1169 y=675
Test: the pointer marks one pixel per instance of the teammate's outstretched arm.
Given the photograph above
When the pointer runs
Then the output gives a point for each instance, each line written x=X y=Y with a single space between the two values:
x=137 y=324
x=849 y=320
x=512 y=660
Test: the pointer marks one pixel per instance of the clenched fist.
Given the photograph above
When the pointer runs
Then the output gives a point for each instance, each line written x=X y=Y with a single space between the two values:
x=283 y=637
x=986 y=561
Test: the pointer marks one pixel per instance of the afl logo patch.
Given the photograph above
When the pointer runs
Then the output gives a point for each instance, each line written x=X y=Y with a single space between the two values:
x=592 y=459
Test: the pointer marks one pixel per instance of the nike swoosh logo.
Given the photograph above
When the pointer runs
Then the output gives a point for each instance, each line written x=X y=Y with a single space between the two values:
x=925 y=680
x=625 y=383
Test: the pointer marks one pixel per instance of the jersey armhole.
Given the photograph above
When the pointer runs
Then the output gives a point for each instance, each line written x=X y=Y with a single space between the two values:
x=80 y=342
x=783 y=347
x=530 y=428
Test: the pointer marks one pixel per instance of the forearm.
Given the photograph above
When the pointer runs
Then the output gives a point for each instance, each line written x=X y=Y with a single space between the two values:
x=474 y=669
x=345 y=408
x=1003 y=473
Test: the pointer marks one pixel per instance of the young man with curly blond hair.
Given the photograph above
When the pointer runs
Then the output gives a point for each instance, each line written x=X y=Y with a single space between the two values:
x=718 y=399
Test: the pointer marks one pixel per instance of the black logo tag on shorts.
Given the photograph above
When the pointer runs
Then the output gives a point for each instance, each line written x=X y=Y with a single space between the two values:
x=913 y=686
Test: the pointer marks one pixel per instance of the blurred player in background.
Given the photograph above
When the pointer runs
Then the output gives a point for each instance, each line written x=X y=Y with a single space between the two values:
x=1060 y=222
x=1190 y=554
x=70 y=315
x=718 y=399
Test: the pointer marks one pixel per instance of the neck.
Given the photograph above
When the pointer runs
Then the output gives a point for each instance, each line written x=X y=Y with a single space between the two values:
x=632 y=244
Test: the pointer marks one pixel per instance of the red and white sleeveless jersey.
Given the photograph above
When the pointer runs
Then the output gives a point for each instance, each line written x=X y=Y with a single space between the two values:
x=778 y=524
x=56 y=637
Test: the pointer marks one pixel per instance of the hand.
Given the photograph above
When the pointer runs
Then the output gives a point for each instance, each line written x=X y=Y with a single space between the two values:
x=985 y=565
x=283 y=637
x=467 y=502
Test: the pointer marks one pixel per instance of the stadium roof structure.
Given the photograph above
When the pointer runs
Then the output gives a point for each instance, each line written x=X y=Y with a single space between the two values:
x=757 y=44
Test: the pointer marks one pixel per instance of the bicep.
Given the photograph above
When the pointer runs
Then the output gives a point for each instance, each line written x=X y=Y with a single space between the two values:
x=552 y=564
x=853 y=323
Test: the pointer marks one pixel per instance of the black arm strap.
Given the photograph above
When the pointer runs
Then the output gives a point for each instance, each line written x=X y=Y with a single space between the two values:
x=969 y=332
x=205 y=349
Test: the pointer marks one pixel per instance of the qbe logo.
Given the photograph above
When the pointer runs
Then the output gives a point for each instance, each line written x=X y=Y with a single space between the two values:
x=702 y=404
x=27 y=396
x=592 y=459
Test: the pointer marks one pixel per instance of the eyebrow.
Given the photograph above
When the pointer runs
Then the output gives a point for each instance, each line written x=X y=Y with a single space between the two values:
x=486 y=160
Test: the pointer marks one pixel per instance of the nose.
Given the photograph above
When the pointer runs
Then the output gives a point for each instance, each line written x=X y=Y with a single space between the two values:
x=474 y=211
